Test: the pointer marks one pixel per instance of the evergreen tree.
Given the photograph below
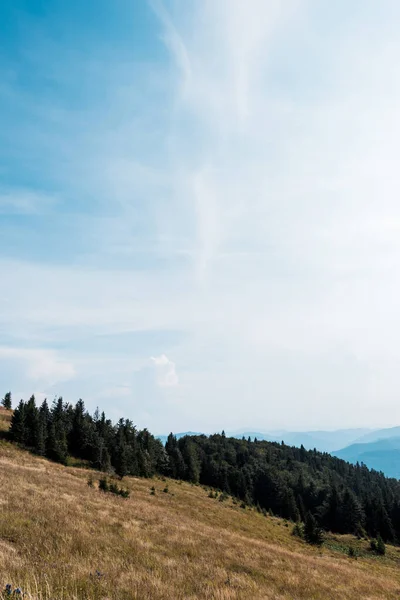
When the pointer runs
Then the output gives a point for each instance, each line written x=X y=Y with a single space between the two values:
x=312 y=533
x=6 y=401
x=380 y=546
x=18 y=424
x=351 y=513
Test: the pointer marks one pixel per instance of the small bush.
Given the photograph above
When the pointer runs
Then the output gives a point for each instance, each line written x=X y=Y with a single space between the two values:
x=166 y=490
x=352 y=552
x=112 y=488
x=380 y=546
x=297 y=531
x=152 y=491
x=103 y=485
x=360 y=532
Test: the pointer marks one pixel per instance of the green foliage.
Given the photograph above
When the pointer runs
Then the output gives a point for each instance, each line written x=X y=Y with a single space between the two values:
x=152 y=491
x=352 y=552
x=380 y=546
x=63 y=431
x=112 y=488
x=298 y=530
x=6 y=401
x=312 y=533
x=103 y=485
x=166 y=490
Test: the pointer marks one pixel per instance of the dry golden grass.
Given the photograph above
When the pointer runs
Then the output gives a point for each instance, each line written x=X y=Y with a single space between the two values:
x=5 y=418
x=56 y=531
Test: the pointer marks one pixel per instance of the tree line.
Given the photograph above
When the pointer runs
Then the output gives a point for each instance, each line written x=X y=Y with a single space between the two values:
x=293 y=483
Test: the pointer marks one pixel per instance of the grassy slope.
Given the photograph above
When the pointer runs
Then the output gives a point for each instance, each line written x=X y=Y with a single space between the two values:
x=55 y=532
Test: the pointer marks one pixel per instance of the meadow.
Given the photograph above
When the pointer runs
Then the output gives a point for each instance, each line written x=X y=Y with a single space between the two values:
x=62 y=539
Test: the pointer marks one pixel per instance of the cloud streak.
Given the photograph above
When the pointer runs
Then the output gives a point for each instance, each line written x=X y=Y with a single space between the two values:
x=232 y=176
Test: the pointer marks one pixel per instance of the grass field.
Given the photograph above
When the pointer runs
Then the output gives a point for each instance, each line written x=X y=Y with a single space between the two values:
x=61 y=539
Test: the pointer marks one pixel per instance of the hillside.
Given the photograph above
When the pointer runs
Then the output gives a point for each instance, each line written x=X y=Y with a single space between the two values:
x=61 y=539
x=291 y=482
x=55 y=532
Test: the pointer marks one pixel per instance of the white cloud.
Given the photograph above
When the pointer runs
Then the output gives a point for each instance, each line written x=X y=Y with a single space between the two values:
x=165 y=371
x=40 y=366
x=247 y=198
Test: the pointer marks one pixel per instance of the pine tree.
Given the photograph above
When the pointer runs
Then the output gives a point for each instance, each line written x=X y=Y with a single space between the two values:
x=331 y=517
x=32 y=424
x=6 y=401
x=380 y=546
x=351 y=513
x=18 y=428
x=312 y=533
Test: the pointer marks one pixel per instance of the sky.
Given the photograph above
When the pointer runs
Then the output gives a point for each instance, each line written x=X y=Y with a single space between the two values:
x=200 y=210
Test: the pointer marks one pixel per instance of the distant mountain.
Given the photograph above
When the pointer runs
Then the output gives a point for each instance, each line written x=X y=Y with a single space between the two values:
x=381 y=455
x=325 y=441
x=379 y=434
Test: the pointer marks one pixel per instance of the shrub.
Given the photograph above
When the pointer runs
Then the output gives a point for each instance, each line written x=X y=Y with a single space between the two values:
x=166 y=490
x=152 y=491
x=103 y=485
x=380 y=546
x=297 y=530
x=351 y=552
x=112 y=488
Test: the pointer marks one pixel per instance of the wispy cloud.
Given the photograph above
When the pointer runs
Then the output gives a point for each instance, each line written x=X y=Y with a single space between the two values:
x=227 y=170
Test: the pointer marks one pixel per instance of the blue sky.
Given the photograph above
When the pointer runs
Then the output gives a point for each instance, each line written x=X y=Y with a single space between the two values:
x=199 y=210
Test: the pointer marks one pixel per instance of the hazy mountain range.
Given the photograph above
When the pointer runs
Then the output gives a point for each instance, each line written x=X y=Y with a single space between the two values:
x=379 y=449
